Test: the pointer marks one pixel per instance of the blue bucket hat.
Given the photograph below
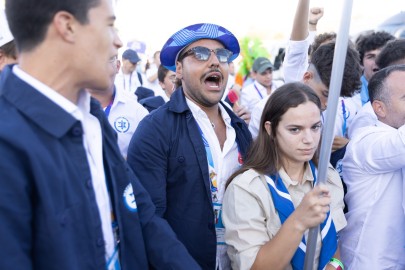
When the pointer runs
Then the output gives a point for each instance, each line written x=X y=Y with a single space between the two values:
x=189 y=34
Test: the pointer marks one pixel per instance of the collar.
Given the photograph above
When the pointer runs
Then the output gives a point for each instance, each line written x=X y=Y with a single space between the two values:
x=288 y=181
x=39 y=108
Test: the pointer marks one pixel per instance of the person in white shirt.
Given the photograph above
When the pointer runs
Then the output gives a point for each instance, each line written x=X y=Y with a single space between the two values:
x=317 y=72
x=122 y=109
x=129 y=79
x=8 y=52
x=374 y=172
x=393 y=53
x=151 y=74
x=262 y=87
x=166 y=79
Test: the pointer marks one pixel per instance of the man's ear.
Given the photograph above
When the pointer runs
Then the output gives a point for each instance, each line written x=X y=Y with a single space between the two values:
x=2 y=58
x=267 y=126
x=308 y=75
x=179 y=70
x=379 y=108
x=65 y=25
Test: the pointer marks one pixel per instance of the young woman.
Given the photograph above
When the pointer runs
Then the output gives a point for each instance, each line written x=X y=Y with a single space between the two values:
x=271 y=202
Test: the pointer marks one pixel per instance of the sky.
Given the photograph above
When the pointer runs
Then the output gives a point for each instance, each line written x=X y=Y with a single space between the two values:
x=154 y=21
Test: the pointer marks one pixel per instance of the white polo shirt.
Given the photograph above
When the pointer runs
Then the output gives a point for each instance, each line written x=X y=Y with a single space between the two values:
x=125 y=115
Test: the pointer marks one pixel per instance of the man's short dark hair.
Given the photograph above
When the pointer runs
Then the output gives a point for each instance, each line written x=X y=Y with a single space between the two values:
x=372 y=41
x=162 y=71
x=9 y=50
x=376 y=87
x=322 y=60
x=391 y=53
x=29 y=19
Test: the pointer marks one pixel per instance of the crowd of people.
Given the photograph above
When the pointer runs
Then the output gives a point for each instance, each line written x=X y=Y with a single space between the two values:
x=180 y=167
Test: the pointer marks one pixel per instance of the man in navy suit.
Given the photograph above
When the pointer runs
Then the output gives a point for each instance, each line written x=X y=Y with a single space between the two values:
x=184 y=151
x=68 y=200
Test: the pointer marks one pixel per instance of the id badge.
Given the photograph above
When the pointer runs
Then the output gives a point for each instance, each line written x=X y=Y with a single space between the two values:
x=219 y=226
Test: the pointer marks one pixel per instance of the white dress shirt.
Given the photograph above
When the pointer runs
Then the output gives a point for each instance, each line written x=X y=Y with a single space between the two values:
x=255 y=92
x=374 y=172
x=364 y=117
x=225 y=161
x=295 y=62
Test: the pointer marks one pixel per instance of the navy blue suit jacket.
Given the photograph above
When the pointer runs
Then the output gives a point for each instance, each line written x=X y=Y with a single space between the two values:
x=48 y=213
x=167 y=153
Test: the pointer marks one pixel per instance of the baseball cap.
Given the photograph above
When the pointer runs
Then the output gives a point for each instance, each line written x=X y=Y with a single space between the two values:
x=5 y=34
x=131 y=55
x=181 y=39
x=261 y=64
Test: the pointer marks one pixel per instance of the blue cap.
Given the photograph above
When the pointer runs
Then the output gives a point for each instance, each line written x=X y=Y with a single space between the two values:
x=131 y=55
x=189 y=34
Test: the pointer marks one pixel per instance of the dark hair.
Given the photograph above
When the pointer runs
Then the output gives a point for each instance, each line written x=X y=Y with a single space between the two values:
x=162 y=71
x=263 y=154
x=29 y=19
x=391 y=53
x=321 y=39
x=376 y=87
x=372 y=41
x=322 y=60
x=9 y=49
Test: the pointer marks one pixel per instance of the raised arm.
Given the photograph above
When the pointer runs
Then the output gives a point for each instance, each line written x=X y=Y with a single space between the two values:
x=300 y=23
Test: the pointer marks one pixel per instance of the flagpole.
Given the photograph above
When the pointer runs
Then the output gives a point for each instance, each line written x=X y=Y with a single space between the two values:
x=339 y=58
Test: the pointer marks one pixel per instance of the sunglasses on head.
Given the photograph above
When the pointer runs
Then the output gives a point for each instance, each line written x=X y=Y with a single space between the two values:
x=203 y=54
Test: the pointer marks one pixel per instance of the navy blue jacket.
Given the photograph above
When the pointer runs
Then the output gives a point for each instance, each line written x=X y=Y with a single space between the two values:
x=168 y=155
x=48 y=213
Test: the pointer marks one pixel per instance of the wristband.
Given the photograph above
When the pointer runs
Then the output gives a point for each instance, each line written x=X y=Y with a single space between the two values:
x=336 y=263
x=313 y=23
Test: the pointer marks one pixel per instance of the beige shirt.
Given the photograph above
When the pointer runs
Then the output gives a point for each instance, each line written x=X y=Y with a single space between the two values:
x=251 y=219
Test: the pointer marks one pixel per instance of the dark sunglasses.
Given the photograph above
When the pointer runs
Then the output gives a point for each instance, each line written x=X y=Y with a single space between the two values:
x=203 y=54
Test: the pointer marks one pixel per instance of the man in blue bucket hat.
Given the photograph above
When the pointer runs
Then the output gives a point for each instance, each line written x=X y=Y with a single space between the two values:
x=185 y=151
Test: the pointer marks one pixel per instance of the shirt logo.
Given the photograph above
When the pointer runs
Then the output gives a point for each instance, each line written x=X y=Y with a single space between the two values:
x=129 y=199
x=121 y=124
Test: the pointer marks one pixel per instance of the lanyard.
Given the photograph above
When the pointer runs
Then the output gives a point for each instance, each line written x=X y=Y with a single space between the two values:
x=130 y=82
x=344 y=112
x=257 y=90
x=108 y=108
x=217 y=206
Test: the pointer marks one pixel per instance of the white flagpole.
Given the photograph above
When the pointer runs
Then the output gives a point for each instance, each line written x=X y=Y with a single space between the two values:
x=339 y=58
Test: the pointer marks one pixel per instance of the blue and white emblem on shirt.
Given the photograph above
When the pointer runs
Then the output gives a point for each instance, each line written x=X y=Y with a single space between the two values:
x=121 y=124
x=129 y=198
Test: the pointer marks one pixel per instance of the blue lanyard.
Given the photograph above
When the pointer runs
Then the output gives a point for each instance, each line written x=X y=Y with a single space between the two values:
x=344 y=118
x=108 y=108
x=257 y=90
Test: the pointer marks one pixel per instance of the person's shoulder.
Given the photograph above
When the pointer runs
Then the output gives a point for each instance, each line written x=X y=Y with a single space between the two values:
x=246 y=178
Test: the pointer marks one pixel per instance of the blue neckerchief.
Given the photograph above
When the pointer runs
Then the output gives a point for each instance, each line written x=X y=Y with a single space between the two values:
x=364 y=91
x=284 y=206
